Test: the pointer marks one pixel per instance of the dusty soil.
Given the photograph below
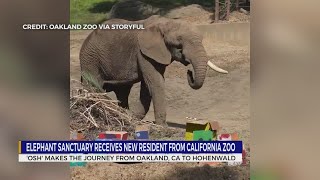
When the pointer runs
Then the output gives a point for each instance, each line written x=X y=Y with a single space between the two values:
x=239 y=17
x=186 y=171
x=224 y=98
x=192 y=13
x=197 y=14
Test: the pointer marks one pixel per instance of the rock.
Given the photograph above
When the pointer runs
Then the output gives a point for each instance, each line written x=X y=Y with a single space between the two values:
x=132 y=10
x=244 y=11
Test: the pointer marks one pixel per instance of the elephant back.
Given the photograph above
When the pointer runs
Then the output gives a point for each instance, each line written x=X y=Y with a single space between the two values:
x=112 y=52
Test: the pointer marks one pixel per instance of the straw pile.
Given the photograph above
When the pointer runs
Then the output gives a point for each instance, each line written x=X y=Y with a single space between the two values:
x=92 y=113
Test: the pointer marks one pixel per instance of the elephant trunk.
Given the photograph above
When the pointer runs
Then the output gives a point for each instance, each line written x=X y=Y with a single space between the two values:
x=197 y=56
x=196 y=78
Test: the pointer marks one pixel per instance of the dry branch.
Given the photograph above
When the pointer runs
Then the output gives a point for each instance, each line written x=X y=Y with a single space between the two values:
x=92 y=113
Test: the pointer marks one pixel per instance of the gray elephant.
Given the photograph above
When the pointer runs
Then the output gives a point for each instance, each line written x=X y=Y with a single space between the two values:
x=120 y=58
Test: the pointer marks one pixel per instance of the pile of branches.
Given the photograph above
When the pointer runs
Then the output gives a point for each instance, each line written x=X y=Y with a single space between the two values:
x=92 y=113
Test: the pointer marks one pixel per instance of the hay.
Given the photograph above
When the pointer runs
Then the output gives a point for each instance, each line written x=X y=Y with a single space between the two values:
x=92 y=113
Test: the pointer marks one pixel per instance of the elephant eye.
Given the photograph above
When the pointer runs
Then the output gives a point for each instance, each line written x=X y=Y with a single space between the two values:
x=179 y=46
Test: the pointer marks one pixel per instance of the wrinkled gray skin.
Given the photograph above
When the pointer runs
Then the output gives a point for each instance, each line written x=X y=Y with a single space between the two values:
x=121 y=58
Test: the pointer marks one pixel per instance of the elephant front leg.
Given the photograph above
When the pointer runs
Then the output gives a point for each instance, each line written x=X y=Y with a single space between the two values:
x=154 y=81
x=159 y=102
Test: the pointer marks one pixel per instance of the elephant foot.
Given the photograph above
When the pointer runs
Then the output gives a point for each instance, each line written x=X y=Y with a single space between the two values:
x=124 y=105
x=139 y=115
x=162 y=123
x=161 y=120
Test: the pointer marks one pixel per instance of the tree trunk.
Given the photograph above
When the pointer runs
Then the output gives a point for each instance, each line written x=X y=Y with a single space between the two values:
x=216 y=11
x=228 y=9
x=237 y=5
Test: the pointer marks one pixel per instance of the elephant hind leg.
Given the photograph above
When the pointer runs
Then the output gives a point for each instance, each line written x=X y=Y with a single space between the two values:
x=122 y=93
x=143 y=105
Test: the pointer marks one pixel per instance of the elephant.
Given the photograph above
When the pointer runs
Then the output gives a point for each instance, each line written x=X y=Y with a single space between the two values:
x=120 y=58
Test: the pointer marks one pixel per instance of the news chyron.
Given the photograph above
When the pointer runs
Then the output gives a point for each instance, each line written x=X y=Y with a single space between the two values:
x=130 y=151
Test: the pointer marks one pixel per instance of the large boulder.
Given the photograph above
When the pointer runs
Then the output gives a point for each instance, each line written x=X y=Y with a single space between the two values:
x=132 y=10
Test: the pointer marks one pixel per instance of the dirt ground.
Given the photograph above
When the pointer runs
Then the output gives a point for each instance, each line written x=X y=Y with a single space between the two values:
x=224 y=98
x=197 y=14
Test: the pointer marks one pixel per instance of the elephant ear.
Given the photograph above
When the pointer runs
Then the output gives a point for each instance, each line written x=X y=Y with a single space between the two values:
x=152 y=45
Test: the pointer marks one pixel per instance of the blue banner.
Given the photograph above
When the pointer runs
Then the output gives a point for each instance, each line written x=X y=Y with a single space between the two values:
x=130 y=147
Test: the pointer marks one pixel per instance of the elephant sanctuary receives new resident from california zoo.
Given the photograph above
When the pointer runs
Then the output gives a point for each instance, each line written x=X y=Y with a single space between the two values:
x=117 y=59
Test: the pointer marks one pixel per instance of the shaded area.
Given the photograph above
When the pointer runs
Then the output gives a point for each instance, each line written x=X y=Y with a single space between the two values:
x=102 y=7
x=176 y=125
x=89 y=11
x=176 y=3
x=132 y=10
x=105 y=6
x=97 y=11
x=207 y=172
x=166 y=5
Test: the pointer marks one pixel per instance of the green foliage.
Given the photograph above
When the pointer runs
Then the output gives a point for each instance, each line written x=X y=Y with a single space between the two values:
x=89 y=11
x=96 y=11
x=92 y=82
